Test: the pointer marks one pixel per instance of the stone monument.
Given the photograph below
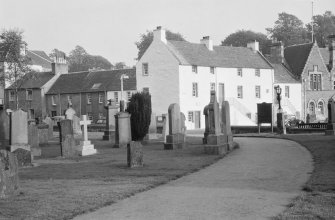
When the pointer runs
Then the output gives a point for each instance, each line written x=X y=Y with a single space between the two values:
x=76 y=125
x=165 y=131
x=215 y=142
x=4 y=129
x=43 y=133
x=226 y=127
x=49 y=122
x=86 y=148
x=205 y=112
x=134 y=154
x=66 y=138
x=152 y=132
x=331 y=117
x=112 y=110
x=33 y=140
x=122 y=129
x=175 y=139
x=9 y=175
x=19 y=130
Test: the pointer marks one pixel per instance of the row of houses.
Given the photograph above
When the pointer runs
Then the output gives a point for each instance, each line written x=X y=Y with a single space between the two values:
x=185 y=73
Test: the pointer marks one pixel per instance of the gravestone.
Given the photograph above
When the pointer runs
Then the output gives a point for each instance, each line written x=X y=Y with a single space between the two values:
x=19 y=130
x=43 y=133
x=122 y=130
x=226 y=127
x=216 y=141
x=9 y=175
x=86 y=148
x=182 y=125
x=175 y=139
x=67 y=141
x=76 y=125
x=4 y=129
x=33 y=140
x=135 y=154
x=69 y=113
x=112 y=110
x=331 y=117
x=152 y=132
x=165 y=131
x=49 y=122
x=24 y=157
x=205 y=112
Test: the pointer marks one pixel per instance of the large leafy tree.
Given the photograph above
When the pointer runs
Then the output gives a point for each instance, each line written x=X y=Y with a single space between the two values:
x=323 y=25
x=80 y=60
x=242 y=37
x=146 y=39
x=55 y=53
x=12 y=53
x=288 y=29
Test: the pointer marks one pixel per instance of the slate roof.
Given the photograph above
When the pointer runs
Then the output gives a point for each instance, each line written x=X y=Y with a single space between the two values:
x=222 y=56
x=296 y=57
x=34 y=80
x=283 y=75
x=39 y=58
x=109 y=80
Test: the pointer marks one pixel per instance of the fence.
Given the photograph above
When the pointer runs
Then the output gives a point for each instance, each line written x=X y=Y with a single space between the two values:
x=313 y=125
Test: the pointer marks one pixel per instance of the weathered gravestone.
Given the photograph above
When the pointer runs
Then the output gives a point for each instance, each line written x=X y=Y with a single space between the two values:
x=49 y=122
x=86 y=148
x=112 y=110
x=215 y=142
x=43 y=133
x=226 y=127
x=19 y=138
x=205 y=112
x=123 y=129
x=152 y=132
x=33 y=140
x=67 y=141
x=165 y=131
x=331 y=117
x=9 y=178
x=135 y=154
x=4 y=129
x=176 y=138
x=76 y=125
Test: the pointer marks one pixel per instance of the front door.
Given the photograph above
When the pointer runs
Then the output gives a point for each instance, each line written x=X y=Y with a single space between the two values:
x=197 y=120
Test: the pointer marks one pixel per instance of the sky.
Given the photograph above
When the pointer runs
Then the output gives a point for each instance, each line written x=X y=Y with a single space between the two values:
x=110 y=28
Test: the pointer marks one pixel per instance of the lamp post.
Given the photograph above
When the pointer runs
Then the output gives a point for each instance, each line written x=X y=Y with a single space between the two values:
x=123 y=76
x=280 y=115
x=278 y=92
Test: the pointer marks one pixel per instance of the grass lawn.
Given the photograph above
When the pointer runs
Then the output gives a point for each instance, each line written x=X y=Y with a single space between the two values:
x=62 y=188
x=318 y=199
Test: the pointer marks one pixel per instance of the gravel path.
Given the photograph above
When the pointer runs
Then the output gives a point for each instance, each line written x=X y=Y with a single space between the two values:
x=253 y=182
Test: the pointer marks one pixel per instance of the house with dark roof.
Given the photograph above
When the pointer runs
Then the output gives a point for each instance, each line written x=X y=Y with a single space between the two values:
x=185 y=73
x=88 y=91
x=313 y=68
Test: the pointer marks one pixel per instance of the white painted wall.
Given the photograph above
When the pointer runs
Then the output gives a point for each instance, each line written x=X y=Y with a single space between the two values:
x=162 y=81
x=292 y=104
x=231 y=80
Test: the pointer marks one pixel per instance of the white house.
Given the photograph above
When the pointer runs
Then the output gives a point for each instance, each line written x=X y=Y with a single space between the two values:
x=185 y=73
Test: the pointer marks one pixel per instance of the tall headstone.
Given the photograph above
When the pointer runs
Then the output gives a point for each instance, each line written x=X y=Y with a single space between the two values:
x=205 y=112
x=226 y=127
x=76 y=125
x=135 y=154
x=86 y=148
x=152 y=132
x=49 y=122
x=123 y=130
x=216 y=142
x=175 y=139
x=43 y=133
x=67 y=141
x=9 y=175
x=165 y=131
x=33 y=140
x=19 y=130
x=112 y=110
x=331 y=117
x=4 y=129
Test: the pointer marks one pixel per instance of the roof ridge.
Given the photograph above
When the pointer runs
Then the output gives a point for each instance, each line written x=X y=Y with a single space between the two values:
x=294 y=45
x=39 y=55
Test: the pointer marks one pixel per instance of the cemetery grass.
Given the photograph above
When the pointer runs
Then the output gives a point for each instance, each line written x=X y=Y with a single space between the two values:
x=63 y=188
x=318 y=198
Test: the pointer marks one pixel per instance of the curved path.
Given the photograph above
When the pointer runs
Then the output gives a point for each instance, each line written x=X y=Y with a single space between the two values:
x=253 y=182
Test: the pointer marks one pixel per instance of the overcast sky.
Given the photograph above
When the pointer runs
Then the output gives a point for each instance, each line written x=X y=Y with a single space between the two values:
x=110 y=27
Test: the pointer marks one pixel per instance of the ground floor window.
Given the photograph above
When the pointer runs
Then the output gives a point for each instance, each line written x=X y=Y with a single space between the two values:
x=90 y=116
x=311 y=108
x=190 y=117
x=321 y=107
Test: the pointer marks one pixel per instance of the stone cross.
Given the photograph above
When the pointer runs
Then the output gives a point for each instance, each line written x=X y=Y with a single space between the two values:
x=84 y=123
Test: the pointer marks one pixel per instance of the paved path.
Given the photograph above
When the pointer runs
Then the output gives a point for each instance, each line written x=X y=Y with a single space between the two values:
x=253 y=182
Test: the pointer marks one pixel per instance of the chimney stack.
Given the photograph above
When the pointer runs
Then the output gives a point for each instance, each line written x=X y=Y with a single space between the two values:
x=277 y=52
x=254 y=46
x=331 y=52
x=59 y=64
x=159 y=34
x=208 y=42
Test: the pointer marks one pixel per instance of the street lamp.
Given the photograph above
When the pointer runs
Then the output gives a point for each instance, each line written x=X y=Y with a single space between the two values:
x=123 y=76
x=278 y=92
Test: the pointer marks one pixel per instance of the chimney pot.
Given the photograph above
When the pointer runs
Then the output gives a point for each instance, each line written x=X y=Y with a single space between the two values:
x=159 y=27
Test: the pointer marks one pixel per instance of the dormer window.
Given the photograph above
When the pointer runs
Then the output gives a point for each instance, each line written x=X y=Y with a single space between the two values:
x=195 y=69
x=96 y=85
x=239 y=72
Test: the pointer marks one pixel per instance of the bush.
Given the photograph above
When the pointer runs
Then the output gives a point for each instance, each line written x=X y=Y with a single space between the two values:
x=139 y=107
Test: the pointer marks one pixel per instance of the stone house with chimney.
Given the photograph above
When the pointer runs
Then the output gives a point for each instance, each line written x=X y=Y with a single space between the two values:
x=88 y=91
x=185 y=73
x=310 y=68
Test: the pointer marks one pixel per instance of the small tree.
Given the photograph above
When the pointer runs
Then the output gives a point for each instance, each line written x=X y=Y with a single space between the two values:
x=140 y=109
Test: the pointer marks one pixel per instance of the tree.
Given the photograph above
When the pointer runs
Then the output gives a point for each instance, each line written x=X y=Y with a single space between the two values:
x=120 y=65
x=146 y=39
x=242 y=37
x=288 y=29
x=12 y=53
x=80 y=60
x=55 y=53
x=324 y=25
x=139 y=107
